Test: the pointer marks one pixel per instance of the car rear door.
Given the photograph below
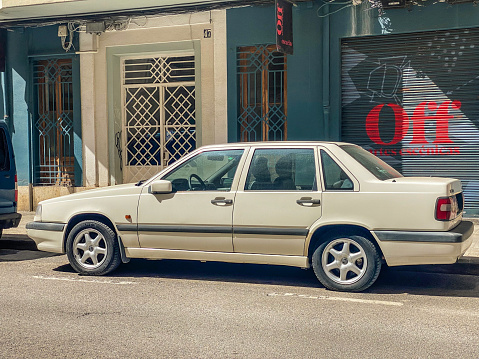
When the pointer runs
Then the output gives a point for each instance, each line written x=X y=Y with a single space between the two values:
x=278 y=199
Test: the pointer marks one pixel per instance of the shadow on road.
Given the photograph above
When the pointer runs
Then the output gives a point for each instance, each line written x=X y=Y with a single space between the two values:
x=212 y=271
x=460 y=279
x=18 y=247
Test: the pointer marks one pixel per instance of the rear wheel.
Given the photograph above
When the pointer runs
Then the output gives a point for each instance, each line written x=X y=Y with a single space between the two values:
x=347 y=263
x=92 y=248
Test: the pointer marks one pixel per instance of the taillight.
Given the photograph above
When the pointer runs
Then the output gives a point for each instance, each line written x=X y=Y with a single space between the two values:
x=16 y=189
x=446 y=208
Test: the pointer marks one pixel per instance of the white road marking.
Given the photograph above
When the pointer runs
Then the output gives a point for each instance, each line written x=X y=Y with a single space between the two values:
x=339 y=299
x=83 y=280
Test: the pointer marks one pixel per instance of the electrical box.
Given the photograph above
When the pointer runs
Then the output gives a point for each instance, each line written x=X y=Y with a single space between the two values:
x=62 y=31
x=95 y=27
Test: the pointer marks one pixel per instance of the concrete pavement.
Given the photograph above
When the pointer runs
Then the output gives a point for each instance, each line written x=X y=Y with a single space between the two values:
x=20 y=233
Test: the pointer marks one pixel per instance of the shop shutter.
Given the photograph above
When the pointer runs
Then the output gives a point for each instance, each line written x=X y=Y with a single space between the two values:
x=413 y=100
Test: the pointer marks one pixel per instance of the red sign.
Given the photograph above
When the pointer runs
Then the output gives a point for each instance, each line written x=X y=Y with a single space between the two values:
x=284 y=27
x=418 y=119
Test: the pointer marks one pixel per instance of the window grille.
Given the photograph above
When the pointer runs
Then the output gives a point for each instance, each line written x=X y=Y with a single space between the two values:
x=53 y=123
x=262 y=94
x=159 y=125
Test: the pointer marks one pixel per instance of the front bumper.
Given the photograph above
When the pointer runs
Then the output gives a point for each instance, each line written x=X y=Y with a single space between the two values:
x=47 y=236
x=415 y=248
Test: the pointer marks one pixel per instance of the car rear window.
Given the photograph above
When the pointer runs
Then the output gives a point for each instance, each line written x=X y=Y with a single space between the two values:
x=380 y=169
x=4 y=157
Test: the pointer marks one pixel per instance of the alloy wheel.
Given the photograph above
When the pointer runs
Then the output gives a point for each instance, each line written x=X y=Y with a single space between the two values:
x=344 y=261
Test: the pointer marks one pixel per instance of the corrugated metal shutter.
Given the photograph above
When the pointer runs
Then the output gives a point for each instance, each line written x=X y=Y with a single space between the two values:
x=413 y=100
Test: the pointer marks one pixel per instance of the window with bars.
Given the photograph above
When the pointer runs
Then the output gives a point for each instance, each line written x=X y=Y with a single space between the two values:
x=262 y=94
x=53 y=123
x=159 y=113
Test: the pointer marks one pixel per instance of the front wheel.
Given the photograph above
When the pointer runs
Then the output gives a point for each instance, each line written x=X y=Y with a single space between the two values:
x=92 y=248
x=347 y=263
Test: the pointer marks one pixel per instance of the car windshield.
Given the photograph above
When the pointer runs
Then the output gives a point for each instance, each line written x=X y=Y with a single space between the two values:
x=380 y=169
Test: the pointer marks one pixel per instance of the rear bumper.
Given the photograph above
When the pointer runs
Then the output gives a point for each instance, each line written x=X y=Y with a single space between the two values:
x=413 y=248
x=458 y=234
x=10 y=220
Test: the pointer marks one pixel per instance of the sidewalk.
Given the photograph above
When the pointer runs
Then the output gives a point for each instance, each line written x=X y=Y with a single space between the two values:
x=473 y=250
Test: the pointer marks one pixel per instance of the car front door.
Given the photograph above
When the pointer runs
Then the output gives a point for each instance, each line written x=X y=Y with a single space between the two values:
x=277 y=200
x=197 y=215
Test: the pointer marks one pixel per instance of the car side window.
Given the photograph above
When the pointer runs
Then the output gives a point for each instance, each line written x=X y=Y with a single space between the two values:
x=282 y=170
x=334 y=176
x=207 y=171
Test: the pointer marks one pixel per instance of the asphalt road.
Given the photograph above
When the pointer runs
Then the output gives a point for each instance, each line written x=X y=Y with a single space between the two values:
x=181 y=309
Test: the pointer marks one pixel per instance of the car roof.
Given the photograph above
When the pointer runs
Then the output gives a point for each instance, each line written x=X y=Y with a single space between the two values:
x=276 y=144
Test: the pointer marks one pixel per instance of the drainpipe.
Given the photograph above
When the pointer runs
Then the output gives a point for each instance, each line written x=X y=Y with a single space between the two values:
x=326 y=75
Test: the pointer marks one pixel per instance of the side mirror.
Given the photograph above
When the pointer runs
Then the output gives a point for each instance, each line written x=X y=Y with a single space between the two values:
x=161 y=187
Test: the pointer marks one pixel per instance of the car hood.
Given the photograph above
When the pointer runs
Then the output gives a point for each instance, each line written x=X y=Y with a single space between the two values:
x=96 y=192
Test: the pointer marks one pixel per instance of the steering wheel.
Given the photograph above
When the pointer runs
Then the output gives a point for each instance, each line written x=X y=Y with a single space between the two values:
x=202 y=184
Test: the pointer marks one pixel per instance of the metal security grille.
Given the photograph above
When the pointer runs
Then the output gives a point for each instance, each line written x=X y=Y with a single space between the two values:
x=159 y=125
x=53 y=123
x=262 y=94
x=412 y=99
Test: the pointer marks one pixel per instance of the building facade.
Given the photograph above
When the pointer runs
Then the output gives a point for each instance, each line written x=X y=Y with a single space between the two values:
x=403 y=85
x=96 y=95
x=96 y=101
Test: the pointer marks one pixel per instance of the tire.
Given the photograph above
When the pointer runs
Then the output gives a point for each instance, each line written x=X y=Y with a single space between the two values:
x=348 y=263
x=92 y=248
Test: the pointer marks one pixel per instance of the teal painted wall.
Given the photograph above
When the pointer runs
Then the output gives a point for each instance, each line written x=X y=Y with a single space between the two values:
x=23 y=46
x=317 y=51
x=256 y=25
x=17 y=75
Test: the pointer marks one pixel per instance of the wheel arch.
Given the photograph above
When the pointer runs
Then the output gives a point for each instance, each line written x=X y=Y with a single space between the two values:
x=321 y=234
x=84 y=217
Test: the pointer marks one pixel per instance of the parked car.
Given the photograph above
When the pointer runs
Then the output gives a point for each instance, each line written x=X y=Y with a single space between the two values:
x=333 y=206
x=8 y=182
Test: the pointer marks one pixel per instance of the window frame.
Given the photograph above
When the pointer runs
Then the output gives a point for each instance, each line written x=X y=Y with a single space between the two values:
x=243 y=121
x=249 y=162
x=342 y=166
x=162 y=175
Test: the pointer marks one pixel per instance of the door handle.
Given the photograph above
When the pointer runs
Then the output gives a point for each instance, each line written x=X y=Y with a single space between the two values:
x=309 y=200
x=221 y=201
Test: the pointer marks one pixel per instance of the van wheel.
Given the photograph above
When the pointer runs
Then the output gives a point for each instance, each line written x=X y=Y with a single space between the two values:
x=92 y=248
x=347 y=263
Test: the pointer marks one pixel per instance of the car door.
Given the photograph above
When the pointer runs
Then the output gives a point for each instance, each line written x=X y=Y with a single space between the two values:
x=197 y=215
x=278 y=199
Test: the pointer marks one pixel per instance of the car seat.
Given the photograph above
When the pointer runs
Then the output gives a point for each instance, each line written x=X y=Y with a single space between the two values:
x=262 y=176
x=284 y=170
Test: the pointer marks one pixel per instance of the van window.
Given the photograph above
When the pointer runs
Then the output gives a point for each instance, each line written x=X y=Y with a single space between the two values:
x=4 y=156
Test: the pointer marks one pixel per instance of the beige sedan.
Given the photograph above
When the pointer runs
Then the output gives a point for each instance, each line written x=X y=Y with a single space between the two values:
x=329 y=205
